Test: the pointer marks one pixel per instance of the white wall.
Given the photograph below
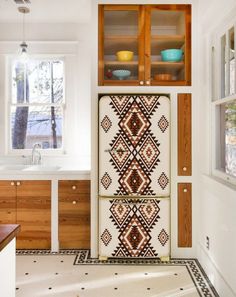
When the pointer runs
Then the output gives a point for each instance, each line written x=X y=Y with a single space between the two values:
x=217 y=200
x=72 y=42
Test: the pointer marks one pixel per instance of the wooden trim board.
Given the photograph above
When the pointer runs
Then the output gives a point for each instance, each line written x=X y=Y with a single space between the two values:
x=184 y=215
x=184 y=134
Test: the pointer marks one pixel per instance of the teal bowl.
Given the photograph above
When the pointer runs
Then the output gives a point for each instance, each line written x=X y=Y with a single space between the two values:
x=121 y=74
x=172 y=55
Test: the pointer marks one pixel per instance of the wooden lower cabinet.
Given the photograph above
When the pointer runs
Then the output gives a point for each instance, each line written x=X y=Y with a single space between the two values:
x=74 y=214
x=27 y=203
x=7 y=202
x=34 y=214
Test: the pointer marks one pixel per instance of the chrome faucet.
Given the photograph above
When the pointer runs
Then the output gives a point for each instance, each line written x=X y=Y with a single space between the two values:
x=35 y=155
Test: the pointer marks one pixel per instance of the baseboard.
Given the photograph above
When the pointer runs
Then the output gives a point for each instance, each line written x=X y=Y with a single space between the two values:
x=216 y=278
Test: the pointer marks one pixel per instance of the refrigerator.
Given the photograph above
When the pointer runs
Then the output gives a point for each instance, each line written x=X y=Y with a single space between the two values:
x=134 y=176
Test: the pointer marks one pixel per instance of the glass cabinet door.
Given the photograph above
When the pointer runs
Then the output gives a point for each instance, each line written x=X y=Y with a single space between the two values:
x=168 y=45
x=121 y=45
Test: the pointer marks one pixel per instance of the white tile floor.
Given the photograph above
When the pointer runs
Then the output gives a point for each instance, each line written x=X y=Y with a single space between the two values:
x=55 y=275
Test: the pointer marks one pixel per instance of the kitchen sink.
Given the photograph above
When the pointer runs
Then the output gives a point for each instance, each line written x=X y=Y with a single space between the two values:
x=41 y=168
x=13 y=167
x=20 y=167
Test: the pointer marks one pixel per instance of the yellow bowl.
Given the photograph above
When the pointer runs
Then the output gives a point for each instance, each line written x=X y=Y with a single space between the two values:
x=125 y=56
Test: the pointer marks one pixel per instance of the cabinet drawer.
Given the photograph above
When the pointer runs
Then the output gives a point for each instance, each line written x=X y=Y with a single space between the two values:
x=66 y=187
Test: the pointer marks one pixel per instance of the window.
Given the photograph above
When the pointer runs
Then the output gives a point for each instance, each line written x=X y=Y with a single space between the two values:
x=224 y=146
x=36 y=105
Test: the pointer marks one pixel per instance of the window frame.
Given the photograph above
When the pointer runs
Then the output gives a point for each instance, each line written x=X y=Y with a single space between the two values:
x=218 y=95
x=47 y=152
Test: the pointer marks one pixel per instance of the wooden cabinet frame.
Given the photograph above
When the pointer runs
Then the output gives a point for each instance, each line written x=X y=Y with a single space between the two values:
x=144 y=45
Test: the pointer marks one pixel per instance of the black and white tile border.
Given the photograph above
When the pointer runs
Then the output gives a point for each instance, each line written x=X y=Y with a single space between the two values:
x=49 y=252
x=82 y=257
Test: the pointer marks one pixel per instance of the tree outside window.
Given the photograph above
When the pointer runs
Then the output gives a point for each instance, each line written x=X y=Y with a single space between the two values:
x=37 y=104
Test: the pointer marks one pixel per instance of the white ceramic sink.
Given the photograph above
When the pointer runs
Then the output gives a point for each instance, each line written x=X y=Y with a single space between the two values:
x=41 y=168
x=13 y=167
x=18 y=167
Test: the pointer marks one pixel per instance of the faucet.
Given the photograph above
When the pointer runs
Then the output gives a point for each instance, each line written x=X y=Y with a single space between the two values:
x=35 y=155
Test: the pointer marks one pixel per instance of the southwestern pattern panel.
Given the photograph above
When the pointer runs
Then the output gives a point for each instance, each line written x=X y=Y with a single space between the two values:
x=134 y=144
x=134 y=227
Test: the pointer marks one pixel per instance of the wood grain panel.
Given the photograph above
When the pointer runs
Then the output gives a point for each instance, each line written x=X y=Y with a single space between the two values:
x=7 y=202
x=184 y=215
x=34 y=214
x=184 y=135
x=74 y=214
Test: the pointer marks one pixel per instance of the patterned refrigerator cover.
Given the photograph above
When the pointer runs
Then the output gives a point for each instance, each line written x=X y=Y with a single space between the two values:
x=134 y=176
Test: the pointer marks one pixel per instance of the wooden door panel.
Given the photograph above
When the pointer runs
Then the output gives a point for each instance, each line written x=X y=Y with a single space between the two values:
x=74 y=214
x=7 y=202
x=184 y=134
x=34 y=214
x=184 y=215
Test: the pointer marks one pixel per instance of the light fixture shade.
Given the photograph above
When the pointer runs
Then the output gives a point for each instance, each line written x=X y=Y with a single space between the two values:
x=23 y=45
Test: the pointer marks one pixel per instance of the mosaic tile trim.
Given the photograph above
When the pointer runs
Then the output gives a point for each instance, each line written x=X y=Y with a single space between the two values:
x=49 y=252
x=200 y=279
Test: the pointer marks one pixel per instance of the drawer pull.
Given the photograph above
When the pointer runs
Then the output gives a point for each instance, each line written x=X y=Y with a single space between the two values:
x=184 y=168
x=141 y=82
x=185 y=190
x=12 y=184
x=74 y=187
x=74 y=202
x=18 y=183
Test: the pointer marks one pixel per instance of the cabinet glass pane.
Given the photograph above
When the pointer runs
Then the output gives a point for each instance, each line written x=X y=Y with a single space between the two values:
x=167 y=33
x=120 y=34
x=231 y=62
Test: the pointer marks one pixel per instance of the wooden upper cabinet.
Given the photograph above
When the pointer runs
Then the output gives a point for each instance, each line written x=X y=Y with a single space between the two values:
x=145 y=30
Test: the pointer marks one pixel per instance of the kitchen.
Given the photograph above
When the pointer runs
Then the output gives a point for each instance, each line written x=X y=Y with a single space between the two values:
x=74 y=35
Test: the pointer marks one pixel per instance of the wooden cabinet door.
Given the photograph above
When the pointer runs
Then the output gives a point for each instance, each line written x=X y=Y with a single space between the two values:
x=121 y=28
x=74 y=214
x=145 y=30
x=34 y=214
x=7 y=202
x=167 y=27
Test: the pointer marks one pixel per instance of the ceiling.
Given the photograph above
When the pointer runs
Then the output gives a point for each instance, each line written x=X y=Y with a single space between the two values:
x=47 y=11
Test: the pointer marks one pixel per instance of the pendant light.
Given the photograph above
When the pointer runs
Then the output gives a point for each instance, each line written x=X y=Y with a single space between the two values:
x=23 y=45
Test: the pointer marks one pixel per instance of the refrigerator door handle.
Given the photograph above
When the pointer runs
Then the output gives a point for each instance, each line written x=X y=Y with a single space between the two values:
x=115 y=151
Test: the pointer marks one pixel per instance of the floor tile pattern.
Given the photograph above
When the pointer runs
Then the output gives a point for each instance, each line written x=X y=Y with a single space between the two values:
x=72 y=273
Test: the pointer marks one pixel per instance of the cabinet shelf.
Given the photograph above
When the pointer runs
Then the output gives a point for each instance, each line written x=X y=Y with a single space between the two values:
x=115 y=43
x=118 y=63
x=168 y=65
x=162 y=42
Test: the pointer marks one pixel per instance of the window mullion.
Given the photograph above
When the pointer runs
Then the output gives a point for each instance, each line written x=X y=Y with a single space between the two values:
x=227 y=74
x=234 y=58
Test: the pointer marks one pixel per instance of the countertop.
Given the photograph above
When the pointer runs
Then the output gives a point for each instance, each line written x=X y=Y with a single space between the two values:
x=7 y=233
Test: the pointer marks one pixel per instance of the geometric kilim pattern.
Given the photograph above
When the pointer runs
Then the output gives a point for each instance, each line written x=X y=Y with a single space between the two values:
x=135 y=223
x=106 y=237
x=136 y=151
x=163 y=237
x=106 y=180
x=163 y=180
x=163 y=124
x=106 y=123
